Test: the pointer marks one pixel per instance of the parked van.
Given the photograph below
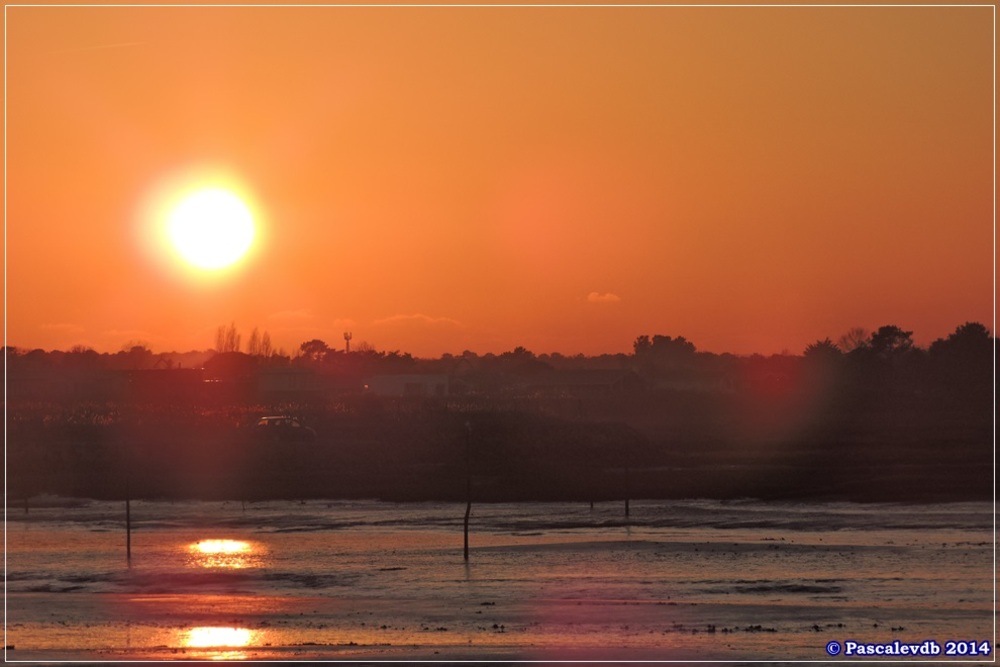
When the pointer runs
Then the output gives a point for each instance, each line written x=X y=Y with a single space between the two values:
x=282 y=428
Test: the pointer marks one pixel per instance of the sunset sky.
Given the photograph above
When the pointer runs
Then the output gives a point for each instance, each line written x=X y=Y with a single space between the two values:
x=436 y=179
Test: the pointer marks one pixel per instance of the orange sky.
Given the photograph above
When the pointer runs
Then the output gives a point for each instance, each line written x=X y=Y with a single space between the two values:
x=563 y=178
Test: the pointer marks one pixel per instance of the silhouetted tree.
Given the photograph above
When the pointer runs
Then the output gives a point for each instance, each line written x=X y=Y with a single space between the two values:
x=521 y=361
x=38 y=357
x=253 y=345
x=314 y=350
x=854 y=339
x=266 y=350
x=970 y=341
x=663 y=353
x=227 y=339
x=823 y=350
x=963 y=362
x=672 y=347
x=259 y=345
x=398 y=362
x=822 y=362
x=364 y=348
x=136 y=355
x=81 y=356
x=641 y=345
x=890 y=341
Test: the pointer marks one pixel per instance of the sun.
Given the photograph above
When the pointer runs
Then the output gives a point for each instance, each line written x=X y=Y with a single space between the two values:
x=211 y=228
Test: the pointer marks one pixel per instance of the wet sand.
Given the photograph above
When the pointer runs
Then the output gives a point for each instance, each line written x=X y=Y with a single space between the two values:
x=361 y=581
x=543 y=626
x=173 y=628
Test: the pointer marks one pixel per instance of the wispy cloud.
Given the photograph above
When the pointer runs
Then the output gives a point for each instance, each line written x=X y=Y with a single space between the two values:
x=344 y=324
x=290 y=315
x=128 y=336
x=417 y=318
x=291 y=329
x=99 y=47
x=595 y=297
x=62 y=327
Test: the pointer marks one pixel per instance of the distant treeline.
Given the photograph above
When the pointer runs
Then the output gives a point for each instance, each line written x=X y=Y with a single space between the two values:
x=869 y=417
x=964 y=351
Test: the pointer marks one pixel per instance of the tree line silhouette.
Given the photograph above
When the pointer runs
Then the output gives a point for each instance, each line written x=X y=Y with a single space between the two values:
x=964 y=352
x=871 y=416
x=885 y=362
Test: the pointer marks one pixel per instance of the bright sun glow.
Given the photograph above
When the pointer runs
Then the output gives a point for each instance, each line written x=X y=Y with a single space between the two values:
x=211 y=228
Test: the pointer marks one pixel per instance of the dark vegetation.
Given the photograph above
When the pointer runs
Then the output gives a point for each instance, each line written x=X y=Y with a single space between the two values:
x=871 y=417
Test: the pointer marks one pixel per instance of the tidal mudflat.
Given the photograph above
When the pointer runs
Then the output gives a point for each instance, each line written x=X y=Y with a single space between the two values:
x=348 y=580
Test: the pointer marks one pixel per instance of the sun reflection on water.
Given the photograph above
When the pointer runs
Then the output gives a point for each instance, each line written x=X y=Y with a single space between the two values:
x=221 y=643
x=226 y=553
x=217 y=637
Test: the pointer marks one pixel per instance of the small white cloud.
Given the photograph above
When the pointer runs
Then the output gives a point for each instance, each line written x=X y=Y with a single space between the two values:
x=595 y=297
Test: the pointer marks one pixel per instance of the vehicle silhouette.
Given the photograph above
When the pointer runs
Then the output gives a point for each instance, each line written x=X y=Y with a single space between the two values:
x=282 y=428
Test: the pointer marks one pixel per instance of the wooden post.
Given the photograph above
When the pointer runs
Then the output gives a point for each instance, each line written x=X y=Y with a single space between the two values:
x=628 y=491
x=468 y=510
x=128 y=520
x=468 y=485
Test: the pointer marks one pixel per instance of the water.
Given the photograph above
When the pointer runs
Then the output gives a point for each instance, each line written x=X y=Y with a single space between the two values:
x=343 y=580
